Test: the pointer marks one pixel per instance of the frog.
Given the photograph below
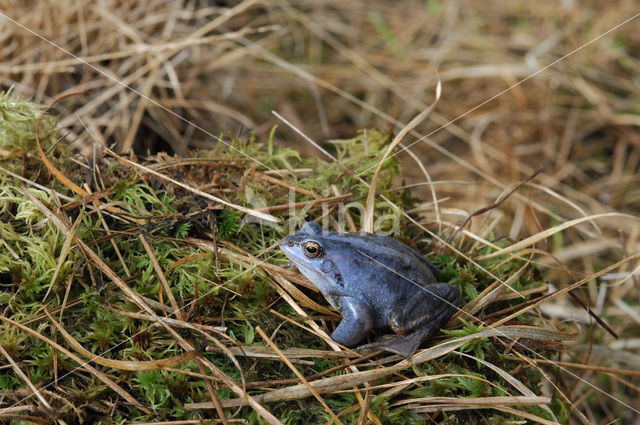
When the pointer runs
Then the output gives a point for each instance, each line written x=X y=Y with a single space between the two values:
x=375 y=282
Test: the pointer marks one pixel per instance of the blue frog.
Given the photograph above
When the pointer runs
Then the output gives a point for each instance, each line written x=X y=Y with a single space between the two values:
x=375 y=281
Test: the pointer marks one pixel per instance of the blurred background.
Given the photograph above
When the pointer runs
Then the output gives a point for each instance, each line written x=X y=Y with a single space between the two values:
x=157 y=73
x=176 y=75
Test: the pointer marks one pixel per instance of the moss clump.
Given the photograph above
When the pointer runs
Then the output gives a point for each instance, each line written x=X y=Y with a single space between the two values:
x=230 y=289
x=18 y=120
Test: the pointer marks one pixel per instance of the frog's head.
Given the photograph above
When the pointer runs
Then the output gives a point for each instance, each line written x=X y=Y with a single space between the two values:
x=310 y=251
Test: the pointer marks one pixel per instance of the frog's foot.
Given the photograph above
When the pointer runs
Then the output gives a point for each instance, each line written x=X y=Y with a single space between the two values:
x=405 y=345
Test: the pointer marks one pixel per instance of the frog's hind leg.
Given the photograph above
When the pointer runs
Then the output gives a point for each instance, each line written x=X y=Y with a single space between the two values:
x=420 y=316
x=426 y=309
x=405 y=345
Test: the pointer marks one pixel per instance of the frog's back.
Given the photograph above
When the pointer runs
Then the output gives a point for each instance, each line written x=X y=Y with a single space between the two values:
x=393 y=254
x=412 y=257
x=375 y=261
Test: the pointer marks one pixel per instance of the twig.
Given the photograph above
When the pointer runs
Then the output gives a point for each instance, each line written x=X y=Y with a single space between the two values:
x=495 y=204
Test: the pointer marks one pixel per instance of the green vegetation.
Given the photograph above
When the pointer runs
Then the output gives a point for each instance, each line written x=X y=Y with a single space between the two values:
x=210 y=290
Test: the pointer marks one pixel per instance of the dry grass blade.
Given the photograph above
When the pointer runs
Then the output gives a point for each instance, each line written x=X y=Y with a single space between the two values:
x=63 y=254
x=300 y=296
x=516 y=412
x=495 y=204
x=34 y=184
x=476 y=401
x=82 y=364
x=546 y=233
x=188 y=422
x=367 y=220
x=61 y=177
x=306 y=203
x=254 y=213
x=24 y=377
x=566 y=289
x=265 y=353
x=122 y=364
x=365 y=406
x=173 y=322
x=510 y=379
x=608 y=370
x=567 y=201
x=488 y=295
x=159 y=272
x=297 y=373
x=27 y=418
x=400 y=387
x=335 y=383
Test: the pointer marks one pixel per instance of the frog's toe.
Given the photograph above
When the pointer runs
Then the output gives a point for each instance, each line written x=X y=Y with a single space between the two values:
x=405 y=345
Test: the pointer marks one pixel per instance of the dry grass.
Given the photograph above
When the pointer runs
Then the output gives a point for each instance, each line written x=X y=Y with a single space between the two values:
x=164 y=76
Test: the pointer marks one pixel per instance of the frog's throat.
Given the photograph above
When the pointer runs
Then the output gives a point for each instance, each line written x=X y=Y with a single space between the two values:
x=322 y=282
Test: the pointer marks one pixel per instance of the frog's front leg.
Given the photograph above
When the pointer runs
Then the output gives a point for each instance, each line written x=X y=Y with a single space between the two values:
x=357 y=321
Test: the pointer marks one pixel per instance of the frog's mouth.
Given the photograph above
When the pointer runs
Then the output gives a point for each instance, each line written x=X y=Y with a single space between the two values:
x=318 y=278
x=286 y=245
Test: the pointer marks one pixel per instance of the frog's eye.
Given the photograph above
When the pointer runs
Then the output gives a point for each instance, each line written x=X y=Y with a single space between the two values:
x=312 y=249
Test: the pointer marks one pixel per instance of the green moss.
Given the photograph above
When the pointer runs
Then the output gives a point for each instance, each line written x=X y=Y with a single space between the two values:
x=212 y=291
x=18 y=118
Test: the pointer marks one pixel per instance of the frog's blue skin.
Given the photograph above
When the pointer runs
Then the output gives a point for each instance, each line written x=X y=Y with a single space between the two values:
x=376 y=282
